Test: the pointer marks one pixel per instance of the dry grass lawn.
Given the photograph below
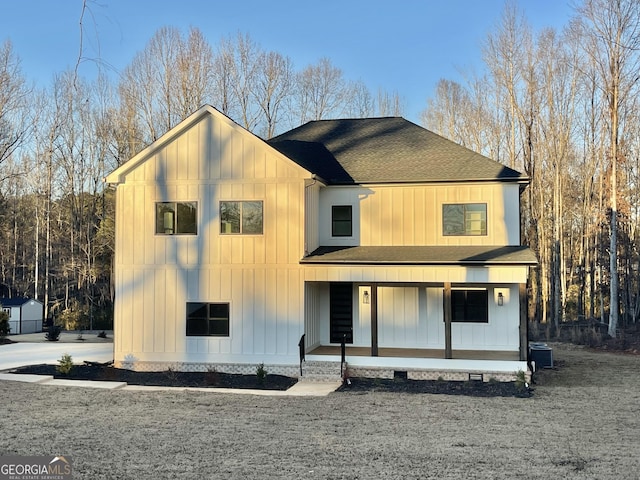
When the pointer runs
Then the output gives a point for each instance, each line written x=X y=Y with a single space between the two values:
x=582 y=422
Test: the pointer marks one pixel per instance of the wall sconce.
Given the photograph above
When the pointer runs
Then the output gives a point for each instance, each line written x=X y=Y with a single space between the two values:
x=365 y=297
x=500 y=299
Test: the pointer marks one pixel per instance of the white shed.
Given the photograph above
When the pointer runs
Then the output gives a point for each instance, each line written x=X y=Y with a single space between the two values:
x=25 y=314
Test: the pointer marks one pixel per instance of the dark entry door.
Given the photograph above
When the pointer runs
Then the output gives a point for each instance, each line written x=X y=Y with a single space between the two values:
x=340 y=312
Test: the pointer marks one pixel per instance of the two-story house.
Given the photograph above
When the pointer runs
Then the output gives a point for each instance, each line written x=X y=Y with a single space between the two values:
x=372 y=232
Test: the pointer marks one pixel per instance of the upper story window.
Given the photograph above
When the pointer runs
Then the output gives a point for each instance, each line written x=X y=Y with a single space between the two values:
x=176 y=218
x=464 y=219
x=341 y=221
x=470 y=306
x=244 y=218
x=207 y=319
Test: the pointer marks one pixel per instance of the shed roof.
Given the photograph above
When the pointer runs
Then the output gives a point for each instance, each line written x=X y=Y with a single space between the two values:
x=385 y=150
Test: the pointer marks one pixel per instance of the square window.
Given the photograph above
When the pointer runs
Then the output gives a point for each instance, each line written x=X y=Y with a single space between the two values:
x=464 y=219
x=341 y=221
x=176 y=218
x=207 y=319
x=244 y=218
x=470 y=306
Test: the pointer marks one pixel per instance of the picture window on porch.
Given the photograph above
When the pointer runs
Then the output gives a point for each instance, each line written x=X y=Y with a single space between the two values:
x=176 y=218
x=470 y=306
x=341 y=221
x=207 y=319
x=243 y=218
x=464 y=219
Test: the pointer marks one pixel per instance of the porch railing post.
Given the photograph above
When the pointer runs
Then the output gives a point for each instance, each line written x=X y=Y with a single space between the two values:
x=448 y=353
x=374 y=319
x=301 y=348
x=343 y=353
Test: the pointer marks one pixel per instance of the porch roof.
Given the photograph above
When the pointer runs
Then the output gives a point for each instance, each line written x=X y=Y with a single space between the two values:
x=423 y=255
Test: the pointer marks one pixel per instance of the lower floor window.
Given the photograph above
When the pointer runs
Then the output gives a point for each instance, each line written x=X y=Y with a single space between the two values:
x=470 y=306
x=207 y=319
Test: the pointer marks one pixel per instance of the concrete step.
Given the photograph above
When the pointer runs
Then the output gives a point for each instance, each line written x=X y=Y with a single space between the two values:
x=321 y=372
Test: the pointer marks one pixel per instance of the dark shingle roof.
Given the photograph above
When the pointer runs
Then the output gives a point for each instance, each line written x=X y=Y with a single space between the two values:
x=424 y=255
x=13 y=302
x=384 y=150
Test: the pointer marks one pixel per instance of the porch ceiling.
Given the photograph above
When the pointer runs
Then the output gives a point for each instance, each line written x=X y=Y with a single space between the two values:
x=423 y=255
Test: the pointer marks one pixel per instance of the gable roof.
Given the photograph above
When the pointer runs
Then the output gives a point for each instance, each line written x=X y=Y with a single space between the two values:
x=117 y=175
x=385 y=150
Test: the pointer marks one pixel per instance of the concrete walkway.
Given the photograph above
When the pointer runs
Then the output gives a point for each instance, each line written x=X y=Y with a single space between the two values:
x=31 y=352
x=300 y=389
x=34 y=349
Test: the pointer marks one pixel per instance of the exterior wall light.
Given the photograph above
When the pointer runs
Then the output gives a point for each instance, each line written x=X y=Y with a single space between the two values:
x=365 y=297
x=500 y=299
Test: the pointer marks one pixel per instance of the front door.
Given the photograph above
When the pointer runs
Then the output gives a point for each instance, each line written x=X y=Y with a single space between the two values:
x=340 y=312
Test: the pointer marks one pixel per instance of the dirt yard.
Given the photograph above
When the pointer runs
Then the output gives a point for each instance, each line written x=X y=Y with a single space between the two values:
x=582 y=422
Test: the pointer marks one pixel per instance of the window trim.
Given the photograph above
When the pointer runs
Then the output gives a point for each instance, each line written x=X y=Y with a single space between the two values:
x=484 y=319
x=163 y=231
x=241 y=223
x=208 y=319
x=335 y=222
x=466 y=233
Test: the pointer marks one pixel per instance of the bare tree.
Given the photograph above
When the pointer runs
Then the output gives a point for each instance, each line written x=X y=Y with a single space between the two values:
x=15 y=124
x=321 y=92
x=360 y=103
x=237 y=76
x=171 y=78
x=611 y=37
x=390 y=104
x=274 y=84
x=506 y=54
x=449 y=111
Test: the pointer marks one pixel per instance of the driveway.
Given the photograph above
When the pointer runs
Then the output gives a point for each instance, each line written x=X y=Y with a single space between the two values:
x=33 y=349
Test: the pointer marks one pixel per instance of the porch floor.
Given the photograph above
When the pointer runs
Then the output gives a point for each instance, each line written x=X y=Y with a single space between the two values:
x=417 y=353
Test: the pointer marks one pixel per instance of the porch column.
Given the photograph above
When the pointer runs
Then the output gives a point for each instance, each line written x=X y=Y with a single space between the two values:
x=447 y=321
x=524 y=325
x=374 y=319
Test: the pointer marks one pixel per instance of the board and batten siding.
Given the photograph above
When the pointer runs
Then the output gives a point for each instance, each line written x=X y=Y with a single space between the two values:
x=312 y=215
x=211 y=160
x=386 y=215
x=416 y=274
x=501 y=333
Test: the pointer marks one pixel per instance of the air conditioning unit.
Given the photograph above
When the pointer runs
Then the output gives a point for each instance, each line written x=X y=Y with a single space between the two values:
x=541 y=355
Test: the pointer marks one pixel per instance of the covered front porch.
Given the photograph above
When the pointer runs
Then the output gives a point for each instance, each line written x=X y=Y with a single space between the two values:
x=428 y=310
x=416 y=320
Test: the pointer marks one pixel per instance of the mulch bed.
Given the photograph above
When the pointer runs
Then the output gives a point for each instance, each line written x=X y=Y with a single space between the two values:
x=167 y=378
x=469 y=388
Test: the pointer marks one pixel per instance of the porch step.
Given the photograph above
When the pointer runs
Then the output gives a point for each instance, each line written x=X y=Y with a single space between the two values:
x=315 y=371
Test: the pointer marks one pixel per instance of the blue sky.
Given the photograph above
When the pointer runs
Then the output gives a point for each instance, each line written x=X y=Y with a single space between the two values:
x=403 y=45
